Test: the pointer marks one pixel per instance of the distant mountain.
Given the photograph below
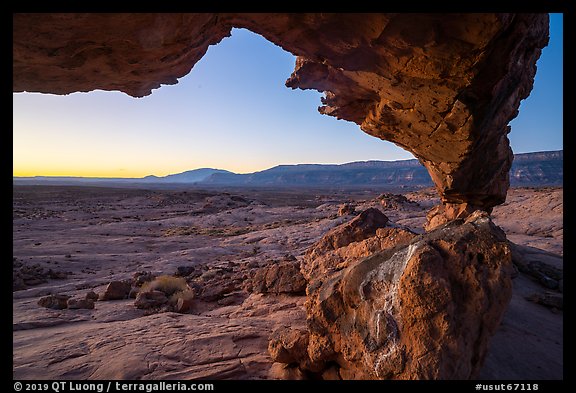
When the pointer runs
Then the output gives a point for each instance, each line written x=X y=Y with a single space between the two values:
x=193 y=176
x=367 y=173
x=528 y=169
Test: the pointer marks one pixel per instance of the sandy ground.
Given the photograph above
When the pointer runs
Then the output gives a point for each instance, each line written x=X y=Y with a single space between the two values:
x=97 y=235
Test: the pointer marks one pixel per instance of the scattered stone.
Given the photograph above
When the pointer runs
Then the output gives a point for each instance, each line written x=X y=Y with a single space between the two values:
x=116 y=290
x=214 y=293
x=55 y=302
x=227 y=301
x=561 y=285
x=80 y=303
x=57 y=275
x=184 y=271
x=133 y=292
x=24 y=276
x=92 y=295
x=345 y=209
x=548 y=299
x=396 y=201
x=253 y=264
x=151 y=299
x=139 y=278
x=283 y=277
x=183 y=305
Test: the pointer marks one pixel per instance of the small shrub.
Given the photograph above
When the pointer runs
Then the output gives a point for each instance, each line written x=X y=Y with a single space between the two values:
x=167 y=284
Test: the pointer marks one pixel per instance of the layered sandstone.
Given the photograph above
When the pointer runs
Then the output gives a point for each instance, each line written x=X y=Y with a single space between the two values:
x=442 y=86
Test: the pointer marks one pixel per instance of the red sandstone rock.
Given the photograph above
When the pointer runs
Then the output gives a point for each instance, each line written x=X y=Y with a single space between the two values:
x=87 y=304
x=350 y=241
x=422 y=311
x=361 y=227
x=288 y=345
x=92 y=296
x=56 y=302
x=150 y=299
x=442 y=86
x=116 y=290
x=283 y=277
x=183 y=305
x=345 y=209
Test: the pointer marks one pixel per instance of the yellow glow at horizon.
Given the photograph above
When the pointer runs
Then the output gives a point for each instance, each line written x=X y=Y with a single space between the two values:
x=95 y=160
x=30 y=170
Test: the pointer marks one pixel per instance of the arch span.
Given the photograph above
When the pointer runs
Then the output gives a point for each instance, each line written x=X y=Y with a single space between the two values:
x=442 y=86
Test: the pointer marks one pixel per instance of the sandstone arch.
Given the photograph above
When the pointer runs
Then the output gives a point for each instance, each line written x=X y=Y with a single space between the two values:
x=442 y=86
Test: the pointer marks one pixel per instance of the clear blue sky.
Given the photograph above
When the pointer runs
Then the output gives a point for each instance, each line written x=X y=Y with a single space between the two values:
x=232 y=111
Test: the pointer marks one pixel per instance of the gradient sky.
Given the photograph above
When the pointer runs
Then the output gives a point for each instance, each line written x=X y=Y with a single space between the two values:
x=232 y=111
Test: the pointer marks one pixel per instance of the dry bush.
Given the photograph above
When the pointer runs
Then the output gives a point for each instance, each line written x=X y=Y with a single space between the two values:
x=167 y=284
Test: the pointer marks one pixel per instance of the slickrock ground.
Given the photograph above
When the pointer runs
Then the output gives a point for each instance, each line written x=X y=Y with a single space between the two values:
x=73 y=240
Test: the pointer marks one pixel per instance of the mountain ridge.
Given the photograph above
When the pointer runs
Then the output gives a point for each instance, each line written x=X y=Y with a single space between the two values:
x=531 y=169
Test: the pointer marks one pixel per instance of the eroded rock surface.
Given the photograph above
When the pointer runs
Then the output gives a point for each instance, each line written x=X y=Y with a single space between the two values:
x=442 y=86
x=120 y=236
x=425 y=310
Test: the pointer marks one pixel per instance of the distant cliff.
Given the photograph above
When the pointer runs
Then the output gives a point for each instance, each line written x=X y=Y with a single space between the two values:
x=541 y=168
x=528 y=169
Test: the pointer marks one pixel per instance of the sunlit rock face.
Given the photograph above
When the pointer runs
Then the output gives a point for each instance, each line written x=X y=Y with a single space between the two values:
x=397 y=305
x=442 y=86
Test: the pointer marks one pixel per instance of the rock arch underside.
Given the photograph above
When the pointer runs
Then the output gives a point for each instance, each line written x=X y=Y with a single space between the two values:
x=442 y=86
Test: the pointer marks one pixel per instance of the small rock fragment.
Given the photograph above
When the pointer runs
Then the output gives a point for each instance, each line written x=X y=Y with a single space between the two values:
x=55 y=302
x=146 y=300
x=116 y=290
x=87 y=304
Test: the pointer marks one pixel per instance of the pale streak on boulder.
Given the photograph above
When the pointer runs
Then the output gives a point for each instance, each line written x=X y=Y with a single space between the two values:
x=425 y=310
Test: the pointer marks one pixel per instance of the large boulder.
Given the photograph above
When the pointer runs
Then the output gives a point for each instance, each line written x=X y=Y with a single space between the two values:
x=364 y=235
x=425 y=310
x=361 y=227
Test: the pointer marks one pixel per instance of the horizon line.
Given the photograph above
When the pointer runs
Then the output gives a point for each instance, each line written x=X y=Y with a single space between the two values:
x=244 y=173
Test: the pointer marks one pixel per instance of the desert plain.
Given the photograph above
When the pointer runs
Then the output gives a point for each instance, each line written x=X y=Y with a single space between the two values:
x=70 y=240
